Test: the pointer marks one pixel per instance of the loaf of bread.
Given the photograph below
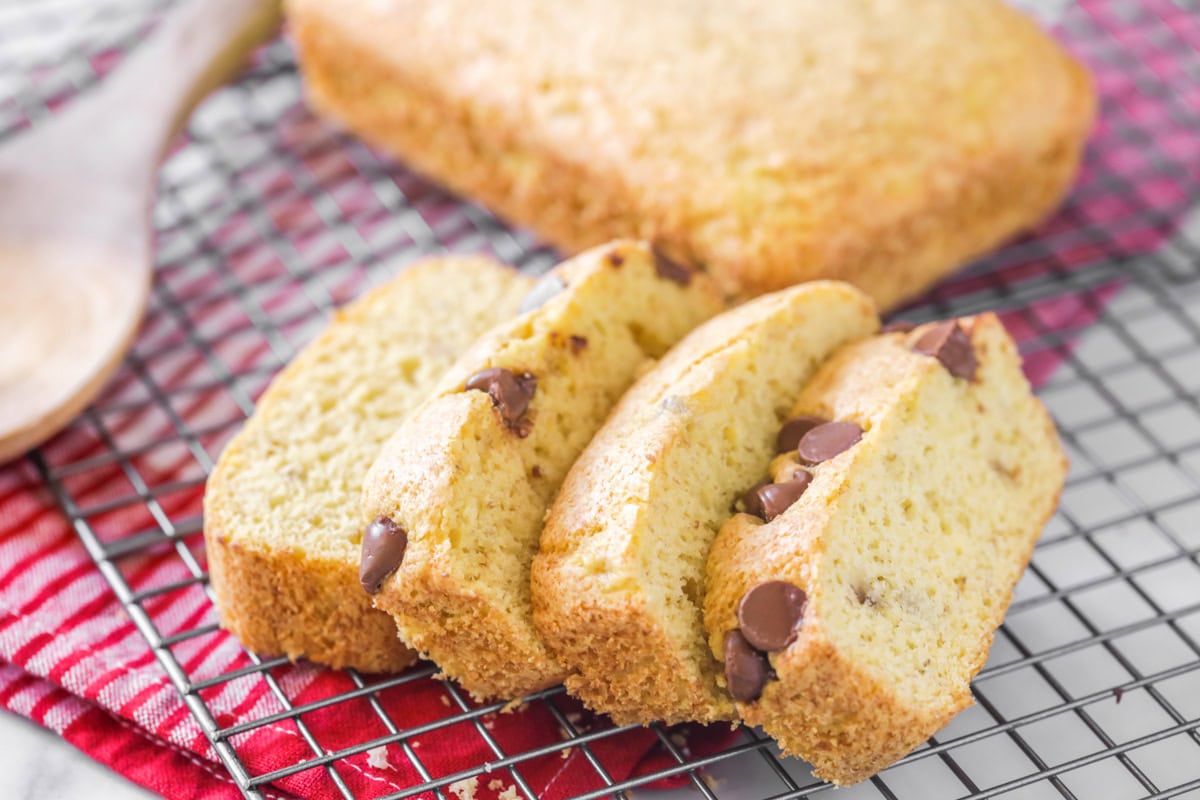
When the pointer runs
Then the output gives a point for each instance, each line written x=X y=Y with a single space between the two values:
x=767 y=142
x=282 y=515
x=619 y=582
x=465 y=481
x=855 y=603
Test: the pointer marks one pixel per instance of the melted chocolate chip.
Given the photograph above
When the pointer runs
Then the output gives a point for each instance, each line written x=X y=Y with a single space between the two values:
x=949 y=344
x=615 y=258
x=746 y=669
x=770 y=614
x=773 y=499
x=510 y=395
x=898 y=326
x=671 y=270
x=542 y=292
x=383 y=546
x=795 y=428
x=751 y=501
x=826 y=441
x=578 y=343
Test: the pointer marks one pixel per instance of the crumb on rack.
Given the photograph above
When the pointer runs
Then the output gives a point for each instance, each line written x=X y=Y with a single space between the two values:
x=377 y=757
x=465 y=789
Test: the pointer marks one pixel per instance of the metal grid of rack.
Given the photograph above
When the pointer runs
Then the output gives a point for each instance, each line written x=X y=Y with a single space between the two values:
x=268 y=219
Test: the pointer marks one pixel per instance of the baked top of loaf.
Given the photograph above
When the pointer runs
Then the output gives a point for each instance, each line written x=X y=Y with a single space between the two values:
x=618 y=583
x=282 y=515
x=769 y=141
x=469 y=475
x=907 y=544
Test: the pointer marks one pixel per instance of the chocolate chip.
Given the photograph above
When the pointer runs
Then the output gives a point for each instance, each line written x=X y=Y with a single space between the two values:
x=578 y=343
x=615 y=258
x=949 y=344
x=898 y=326
x=510 y=395
x=772 y=499
x=542 y=291
x=770 y=614
x=795 y=428
x=383 y=546
x=671 y=270
x=751 y=502
x=536 y=471
x=746 y=669
x=826 y=441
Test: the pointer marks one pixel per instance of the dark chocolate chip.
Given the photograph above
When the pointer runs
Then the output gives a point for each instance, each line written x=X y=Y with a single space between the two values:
x=746 y=669
x=615 y=258
x=542 y=292
x=578 y=343
x=826 y=441
x=949 y=344
x=510 y=395
x=779 y=497
x=671 y=270
x=898 y=326
x=536 y=471
x=770 y=614
x=751 y=502
x=792 y=430
x=769 y=500
x=383 y=546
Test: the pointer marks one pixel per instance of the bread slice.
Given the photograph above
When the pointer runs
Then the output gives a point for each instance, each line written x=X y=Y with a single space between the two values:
x=770 y=141
x=282 y=516
x=907 y=545
x=618 y=584
x=469 y=475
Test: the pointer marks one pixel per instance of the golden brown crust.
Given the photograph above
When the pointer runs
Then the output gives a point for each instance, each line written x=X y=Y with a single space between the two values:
x=436 y=597
x=828 y=705
x=908 y=141
x=281 y=604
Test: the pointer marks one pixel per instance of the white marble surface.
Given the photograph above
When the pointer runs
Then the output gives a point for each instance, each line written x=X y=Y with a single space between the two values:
x=37 y=765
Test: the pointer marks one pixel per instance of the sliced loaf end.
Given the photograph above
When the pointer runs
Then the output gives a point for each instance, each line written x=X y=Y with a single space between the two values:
x=282 y=516
x=908 y=545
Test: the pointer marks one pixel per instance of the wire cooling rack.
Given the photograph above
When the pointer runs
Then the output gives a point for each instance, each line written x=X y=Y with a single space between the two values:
x=267 y=219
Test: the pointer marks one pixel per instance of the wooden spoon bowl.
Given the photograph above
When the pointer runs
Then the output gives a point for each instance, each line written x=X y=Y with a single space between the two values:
x=75 y=232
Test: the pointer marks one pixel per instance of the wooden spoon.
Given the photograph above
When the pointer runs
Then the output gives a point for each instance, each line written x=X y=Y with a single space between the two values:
x=75 y=200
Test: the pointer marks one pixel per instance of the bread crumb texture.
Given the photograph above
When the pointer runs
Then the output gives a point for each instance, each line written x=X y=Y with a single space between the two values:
x=282 y=515
x=908 y=545
x=619 y=582
x=471 y=487
x=770 y=142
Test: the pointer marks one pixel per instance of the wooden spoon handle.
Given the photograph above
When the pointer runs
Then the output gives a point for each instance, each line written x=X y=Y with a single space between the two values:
x=123 y=126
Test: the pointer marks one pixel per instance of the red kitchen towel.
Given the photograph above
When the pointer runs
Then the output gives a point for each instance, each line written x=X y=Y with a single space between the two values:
x=72 y=659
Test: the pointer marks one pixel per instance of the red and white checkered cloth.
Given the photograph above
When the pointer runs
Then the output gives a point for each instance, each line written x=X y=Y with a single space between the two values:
x=73 y=661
